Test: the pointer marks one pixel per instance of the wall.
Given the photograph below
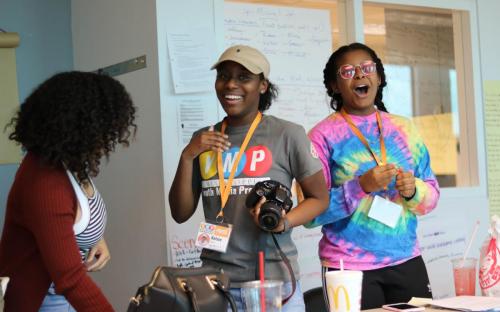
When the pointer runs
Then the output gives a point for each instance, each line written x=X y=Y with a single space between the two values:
x=488 y=37
x=45 y=48
x=105 y=33
x=172 y=17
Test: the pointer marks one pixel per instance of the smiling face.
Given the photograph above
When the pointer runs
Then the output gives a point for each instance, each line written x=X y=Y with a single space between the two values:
x=358 y=93
x=238 y=91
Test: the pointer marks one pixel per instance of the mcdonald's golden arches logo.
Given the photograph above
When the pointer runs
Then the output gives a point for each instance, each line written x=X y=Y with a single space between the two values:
x=335 y=294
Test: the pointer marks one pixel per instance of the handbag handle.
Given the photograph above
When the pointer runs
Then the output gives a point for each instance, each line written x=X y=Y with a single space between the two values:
x=192 y=296
x=219 y=286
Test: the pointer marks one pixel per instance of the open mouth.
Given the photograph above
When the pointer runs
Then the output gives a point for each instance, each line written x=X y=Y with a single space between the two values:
x=361 y=90
x=232 y=98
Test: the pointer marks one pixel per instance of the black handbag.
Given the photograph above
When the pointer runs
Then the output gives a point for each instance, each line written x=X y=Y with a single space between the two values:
x=184 y=290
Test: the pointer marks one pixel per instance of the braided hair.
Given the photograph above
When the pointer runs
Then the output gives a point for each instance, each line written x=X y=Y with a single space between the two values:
x=331 y=69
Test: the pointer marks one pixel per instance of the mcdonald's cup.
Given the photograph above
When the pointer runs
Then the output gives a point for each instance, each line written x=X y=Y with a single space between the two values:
x=344 y=290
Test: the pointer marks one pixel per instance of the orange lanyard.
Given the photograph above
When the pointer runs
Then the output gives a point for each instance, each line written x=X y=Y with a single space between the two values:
x=225 y=188
x=360 y=135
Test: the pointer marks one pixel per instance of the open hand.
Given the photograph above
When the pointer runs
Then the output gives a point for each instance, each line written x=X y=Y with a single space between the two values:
x=209 y=140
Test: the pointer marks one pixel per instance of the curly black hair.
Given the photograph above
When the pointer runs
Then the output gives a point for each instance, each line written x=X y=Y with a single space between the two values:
x=267 y=98
x=74 y=118
x=331 y=69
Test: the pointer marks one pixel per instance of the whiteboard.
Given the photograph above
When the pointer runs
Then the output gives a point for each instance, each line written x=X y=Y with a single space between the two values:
x=297 y=43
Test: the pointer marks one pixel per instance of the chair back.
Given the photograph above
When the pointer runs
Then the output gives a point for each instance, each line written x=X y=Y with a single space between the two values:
x=314 y=300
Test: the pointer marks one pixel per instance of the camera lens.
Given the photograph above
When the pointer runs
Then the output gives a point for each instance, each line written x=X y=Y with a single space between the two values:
x=269 y=216
x=268 y=222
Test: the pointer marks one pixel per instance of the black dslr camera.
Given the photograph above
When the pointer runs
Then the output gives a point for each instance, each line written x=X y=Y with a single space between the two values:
x=278 y=199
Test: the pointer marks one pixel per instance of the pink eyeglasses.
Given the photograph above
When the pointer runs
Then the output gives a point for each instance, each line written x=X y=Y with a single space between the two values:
x=347 y=71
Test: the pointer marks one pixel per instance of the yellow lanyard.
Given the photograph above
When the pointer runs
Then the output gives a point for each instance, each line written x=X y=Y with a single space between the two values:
x=225 y=188
x=360 y=135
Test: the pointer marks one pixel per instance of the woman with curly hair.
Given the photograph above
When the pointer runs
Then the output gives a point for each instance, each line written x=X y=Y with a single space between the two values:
x=55 y=219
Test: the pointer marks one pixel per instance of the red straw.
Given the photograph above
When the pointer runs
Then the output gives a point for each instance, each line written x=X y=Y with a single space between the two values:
x=262 y=290
x=261 y=266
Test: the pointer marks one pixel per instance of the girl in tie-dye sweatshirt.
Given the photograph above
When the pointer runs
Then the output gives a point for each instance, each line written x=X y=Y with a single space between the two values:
x=356 y=173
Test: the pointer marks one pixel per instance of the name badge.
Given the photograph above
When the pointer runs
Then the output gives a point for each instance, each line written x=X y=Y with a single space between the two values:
x=385 y=211
x=213 y=236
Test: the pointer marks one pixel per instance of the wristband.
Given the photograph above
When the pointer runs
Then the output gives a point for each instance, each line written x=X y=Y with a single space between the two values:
x=286 y=225
x=411 y=197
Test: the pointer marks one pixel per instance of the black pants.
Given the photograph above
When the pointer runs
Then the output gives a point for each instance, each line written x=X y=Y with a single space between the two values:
x=393 y=284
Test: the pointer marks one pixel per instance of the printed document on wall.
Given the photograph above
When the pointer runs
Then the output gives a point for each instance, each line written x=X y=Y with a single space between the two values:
x=191 y=54
x=492 y=129
x=194 y=113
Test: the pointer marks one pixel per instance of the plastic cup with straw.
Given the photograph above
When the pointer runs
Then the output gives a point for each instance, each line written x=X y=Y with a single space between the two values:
x=464 y=270
x=473 y=235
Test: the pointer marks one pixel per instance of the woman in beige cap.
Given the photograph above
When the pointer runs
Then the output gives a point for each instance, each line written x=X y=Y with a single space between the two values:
x=244 y=148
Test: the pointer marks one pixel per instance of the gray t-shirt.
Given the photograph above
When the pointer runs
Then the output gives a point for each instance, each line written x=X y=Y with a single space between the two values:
x=279 y=150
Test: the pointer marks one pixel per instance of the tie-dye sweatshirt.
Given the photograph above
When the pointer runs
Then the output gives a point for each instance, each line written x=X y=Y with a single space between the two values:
x=348 y=233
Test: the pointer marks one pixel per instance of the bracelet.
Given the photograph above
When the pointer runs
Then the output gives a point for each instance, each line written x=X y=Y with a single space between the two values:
x=411 y=197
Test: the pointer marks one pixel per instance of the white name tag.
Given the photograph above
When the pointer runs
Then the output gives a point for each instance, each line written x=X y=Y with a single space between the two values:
x=213 y=236
x=385 y=211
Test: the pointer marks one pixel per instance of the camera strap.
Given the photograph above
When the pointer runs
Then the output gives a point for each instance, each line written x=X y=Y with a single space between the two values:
x=262 y=247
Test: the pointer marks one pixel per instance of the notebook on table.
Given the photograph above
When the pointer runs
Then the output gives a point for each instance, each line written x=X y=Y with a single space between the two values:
x=468 y=303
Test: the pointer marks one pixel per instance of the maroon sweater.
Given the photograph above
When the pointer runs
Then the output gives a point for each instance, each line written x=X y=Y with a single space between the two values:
x=38 y=243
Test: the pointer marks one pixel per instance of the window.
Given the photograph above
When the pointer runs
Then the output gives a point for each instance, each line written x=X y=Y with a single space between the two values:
x=428 y=61
x=418 y=48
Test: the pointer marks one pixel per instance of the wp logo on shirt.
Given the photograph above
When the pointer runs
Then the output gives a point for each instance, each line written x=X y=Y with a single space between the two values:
x=255 y=161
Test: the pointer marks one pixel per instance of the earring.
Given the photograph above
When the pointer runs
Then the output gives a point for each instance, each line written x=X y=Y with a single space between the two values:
x=262 y=91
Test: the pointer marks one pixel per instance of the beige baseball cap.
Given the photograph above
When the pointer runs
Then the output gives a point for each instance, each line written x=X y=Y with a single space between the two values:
x=252 y=59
